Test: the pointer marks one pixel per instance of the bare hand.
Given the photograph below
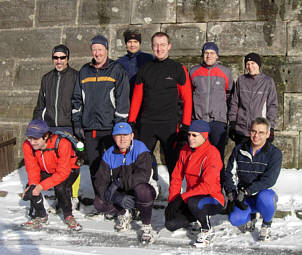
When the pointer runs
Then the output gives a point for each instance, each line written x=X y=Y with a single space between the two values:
x=37 y=190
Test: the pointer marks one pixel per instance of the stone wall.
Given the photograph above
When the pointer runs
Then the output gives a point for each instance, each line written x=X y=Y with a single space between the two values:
x=29 y=29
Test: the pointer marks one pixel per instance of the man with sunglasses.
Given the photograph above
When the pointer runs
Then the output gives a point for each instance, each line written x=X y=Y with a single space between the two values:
x=252 y=170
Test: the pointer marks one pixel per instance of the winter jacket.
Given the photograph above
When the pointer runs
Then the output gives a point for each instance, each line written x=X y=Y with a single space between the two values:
x=254 y=173
x=157 y=86
x=212 y=86
x=131 y=169
x=54 y=100
x=201 y=167
x=47 y=160
x=132 y=62
x=101 y=96
x=253 y=97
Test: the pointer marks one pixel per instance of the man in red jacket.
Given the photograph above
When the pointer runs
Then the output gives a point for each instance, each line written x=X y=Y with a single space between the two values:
x=200 y=163
x=45 y=169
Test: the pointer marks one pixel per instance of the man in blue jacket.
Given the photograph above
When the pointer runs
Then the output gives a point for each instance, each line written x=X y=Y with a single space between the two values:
x=253 y=168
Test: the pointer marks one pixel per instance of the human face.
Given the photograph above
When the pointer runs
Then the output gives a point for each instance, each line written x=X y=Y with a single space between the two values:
x=210 y=57
x=133 y=46
x=123 y=141
x=252 y=68
x=259 y=134
x=60 y=64
x=161 y=47
x=100 y=54
x=195 y=139
x=38 y=143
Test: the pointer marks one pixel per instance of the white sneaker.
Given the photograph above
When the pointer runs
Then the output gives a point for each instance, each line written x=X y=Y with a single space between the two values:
x=148 y=234
x=204 y=238
x=75 y=203
x=265 y=233
x=124 y=220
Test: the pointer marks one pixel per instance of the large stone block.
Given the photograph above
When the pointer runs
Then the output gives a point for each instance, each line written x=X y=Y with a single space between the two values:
x=56 y=12
x=78 y=39
x=294 y=39
x=293 y=111
x=238 y=38
x=6 y=73
x=288 y=143
x=203 y=11
x=292 y=76
x=291 y=10
x=77 y=63
x=28 y=43
x=16 y=13
x=186 y=39
x=156 y=11
x=95 y=12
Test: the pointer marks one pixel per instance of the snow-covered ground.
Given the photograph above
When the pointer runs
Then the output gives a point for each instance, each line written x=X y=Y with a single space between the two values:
x=98 y=236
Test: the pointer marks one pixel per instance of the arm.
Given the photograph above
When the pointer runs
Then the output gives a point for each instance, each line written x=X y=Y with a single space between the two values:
x=41 y=104
x=272 y=104
x=31 y=164
x=231 y=177
x=233 y=103
x=102 y=179
x=77 y=103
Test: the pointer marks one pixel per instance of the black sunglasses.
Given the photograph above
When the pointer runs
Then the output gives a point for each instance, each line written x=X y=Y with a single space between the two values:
x=56 y=57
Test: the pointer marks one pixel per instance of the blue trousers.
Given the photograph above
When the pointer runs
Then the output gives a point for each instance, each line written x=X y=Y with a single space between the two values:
x=264 y=202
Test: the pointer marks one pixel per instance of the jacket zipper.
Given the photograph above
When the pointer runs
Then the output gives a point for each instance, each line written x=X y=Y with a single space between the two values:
x=57 y=96
x=44 y=164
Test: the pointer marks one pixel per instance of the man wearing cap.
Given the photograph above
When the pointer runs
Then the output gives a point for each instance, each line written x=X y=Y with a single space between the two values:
x=122 y=181
x=100 y=99
x=200 y=163
x=135 y=58
x=254 y=96
x=45 y=170
x=212 y=84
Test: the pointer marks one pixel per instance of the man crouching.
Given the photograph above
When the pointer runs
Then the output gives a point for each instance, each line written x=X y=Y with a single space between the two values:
x=122 y=181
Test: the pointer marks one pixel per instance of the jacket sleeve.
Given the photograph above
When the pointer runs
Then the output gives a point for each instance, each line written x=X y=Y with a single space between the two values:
x=186 y=95
x=136 y=102
x=233 y=103
x=31 y=164
x=77 y=103
x=63 y=168
x=270 y=176
x=41 y=104
x=176 y=178
x=141 y=172
x=272 y=104
x=122 y=90
x=231 y=177
x=102 y=179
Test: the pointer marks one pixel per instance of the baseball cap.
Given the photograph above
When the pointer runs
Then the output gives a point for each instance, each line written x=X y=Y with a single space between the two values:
x=37 y=128
x=122 y=128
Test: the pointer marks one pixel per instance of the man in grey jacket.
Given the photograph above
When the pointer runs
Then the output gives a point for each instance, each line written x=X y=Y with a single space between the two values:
x=254 y=96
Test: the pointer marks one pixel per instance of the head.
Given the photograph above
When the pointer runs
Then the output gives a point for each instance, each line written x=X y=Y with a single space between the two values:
x=60 y=57
x=161 y=45
x=99 y=50
x=210 y=53
x=133 y=40
x=252 y=62
x=260 y=131
x=37 y=133
x=198 y=133
x=122 y=135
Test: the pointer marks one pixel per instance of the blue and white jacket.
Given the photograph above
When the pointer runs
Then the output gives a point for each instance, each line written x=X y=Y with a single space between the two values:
x=254 y=173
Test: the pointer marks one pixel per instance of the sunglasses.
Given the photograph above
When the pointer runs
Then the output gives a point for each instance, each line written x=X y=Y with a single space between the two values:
x=194 y=135
x=56 y=57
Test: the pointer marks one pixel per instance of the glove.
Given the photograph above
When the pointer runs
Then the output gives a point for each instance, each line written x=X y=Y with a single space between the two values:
x=240 y=199
x=79 y=133
x=231 y=202
x=232 y=132
x=29 y=193
x=111 y=190
x=173 y=207
x=123 y=200
x=272 y=135
x=182 y=135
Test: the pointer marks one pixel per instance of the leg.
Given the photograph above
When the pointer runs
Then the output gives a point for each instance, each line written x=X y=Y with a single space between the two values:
x=218 y=136
x=182 y=219
x=240 y=217
x=266 y=204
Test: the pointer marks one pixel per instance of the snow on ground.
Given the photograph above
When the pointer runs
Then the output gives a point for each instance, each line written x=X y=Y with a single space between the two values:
x=98 y=236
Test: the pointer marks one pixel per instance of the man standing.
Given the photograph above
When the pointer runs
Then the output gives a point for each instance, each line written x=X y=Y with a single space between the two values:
x=254 y=95
x=100 y=99
x=135 y=58
x=122 y=181
x=212 y=84
x=253 y=168
x=200 y=163
x=157 y=87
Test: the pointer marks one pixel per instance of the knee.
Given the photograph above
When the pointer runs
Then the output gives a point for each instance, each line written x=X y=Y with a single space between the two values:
x=239 y=217
x=266 y=198
x=144 y=192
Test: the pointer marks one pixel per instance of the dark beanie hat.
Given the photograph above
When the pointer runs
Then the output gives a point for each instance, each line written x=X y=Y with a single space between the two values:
x=199 y=126
x=99 y=39
x=252 y=57
x=210 y=46
x=61 y=48
x=129 y=35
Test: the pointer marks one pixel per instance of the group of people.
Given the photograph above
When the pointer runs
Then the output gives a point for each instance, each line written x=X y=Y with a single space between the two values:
x=120 y=137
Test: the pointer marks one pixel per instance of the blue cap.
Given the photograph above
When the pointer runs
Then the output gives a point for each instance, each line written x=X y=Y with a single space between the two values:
x=199 y=126
x=210 y=46
x=122 y=128
x=99 y=39
x=37 y=128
